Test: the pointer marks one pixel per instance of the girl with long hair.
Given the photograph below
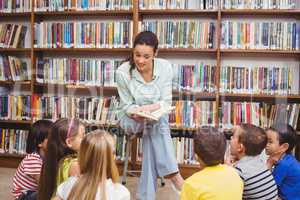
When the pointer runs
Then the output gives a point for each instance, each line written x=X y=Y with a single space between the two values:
x=26 y=179
x=61 y=156
x=99 y=173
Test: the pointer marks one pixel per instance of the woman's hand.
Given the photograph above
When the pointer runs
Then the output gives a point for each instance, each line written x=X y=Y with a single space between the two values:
x=137 y=118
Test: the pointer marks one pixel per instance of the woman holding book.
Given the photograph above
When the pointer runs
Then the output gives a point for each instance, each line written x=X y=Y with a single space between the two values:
x=145 y=85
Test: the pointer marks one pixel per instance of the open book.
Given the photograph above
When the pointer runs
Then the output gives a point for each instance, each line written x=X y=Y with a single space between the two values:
x=155 y=115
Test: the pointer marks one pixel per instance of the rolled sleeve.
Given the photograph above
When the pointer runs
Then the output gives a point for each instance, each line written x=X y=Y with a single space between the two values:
x=126 y=99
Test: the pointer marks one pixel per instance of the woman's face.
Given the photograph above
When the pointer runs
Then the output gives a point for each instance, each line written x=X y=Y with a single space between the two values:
x=143 y=56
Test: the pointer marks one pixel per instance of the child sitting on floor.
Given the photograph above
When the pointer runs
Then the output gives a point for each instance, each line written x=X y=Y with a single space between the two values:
x=246 y=145
x=99 y=173
x=286 y=169
x=212 y=181
x=26 y=179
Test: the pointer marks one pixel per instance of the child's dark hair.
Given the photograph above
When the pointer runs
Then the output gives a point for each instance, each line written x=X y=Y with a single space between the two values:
x=253 y=138
x=143 y=38
x=210 y=145
x=56 y=150
x=286 y=134
x=37 y=134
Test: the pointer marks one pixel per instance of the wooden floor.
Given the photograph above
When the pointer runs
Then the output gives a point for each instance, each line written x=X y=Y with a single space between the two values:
x=6 y=174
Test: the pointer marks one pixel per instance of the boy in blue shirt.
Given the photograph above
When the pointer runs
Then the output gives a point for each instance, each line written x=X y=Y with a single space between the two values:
x=286 y=169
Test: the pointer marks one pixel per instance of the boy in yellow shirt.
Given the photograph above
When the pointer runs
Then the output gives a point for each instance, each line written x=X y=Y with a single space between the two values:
x=214 y=181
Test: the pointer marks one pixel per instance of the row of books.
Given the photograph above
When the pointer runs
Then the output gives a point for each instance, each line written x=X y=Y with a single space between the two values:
x=85 y=71
x=183 y=150
x=84 y=34
x=260 y=35
x=193 y=114
x=179 y=4
x=182 y=33
x=15 y=107
x=197 y=77
x=9 y=6
x=14 y=68
x=171 y=34
x=194 y=77
x=98 y=110
x=120 y=146
x=259 y=4
x=15 y=6
x=66 y=5
x=12 y=35
x=13 y=141
x=267 y=80
x=259 y=114
x=189 y=114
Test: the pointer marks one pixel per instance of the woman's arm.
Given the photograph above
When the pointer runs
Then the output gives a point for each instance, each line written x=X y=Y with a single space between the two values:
x=126 y=99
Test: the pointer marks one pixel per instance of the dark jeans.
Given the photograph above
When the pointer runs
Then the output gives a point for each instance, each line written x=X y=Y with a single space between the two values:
x=29 y=195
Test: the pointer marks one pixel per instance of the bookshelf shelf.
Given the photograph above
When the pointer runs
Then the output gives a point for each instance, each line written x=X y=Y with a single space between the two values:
x=14 y=155
x=19 y=122
x=261 y=96
x=15 y=50
x=179 y=12
x=187 y=50
x=5 y=83
x=26 y=14
x=277 y=12
x=260 y=51
x=106 y=89
x=198 y=95
x=87 y=50
x=84 y=13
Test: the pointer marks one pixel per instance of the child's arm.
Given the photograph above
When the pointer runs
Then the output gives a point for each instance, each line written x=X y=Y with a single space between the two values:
x=74 y=169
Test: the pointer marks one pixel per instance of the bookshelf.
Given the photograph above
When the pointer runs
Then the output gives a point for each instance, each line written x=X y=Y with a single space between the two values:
x=136 y=16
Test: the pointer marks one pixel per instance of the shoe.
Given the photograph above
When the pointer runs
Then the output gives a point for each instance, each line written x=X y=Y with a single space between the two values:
x=177 y=192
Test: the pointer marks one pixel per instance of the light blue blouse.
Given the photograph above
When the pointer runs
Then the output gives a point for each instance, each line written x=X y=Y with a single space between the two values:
x=134 y=91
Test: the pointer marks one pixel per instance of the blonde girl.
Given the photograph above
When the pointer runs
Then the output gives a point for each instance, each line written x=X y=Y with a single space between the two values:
x=99 y=174
x=61 y=156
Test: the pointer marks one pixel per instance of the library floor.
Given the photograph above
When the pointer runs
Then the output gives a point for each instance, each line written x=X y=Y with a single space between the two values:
x=6 y=174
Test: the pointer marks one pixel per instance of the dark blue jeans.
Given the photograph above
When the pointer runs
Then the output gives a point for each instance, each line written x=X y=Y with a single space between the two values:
x=29 y=195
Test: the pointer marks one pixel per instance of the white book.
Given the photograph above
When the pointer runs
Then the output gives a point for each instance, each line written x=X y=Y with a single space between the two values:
x=155 y=115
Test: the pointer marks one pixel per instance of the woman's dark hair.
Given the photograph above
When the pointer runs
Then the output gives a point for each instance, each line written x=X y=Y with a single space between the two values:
x=37 y=134
x=143 y=38
x=286 y=134
x=210 y=145
x=56 y=150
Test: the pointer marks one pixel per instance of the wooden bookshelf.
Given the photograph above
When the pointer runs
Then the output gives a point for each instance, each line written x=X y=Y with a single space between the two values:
x=261 y=52
x=266 y=12
x=12 y=15
x=84 y=13
x=136 y=15
x=187 y=12
x=86 y=50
